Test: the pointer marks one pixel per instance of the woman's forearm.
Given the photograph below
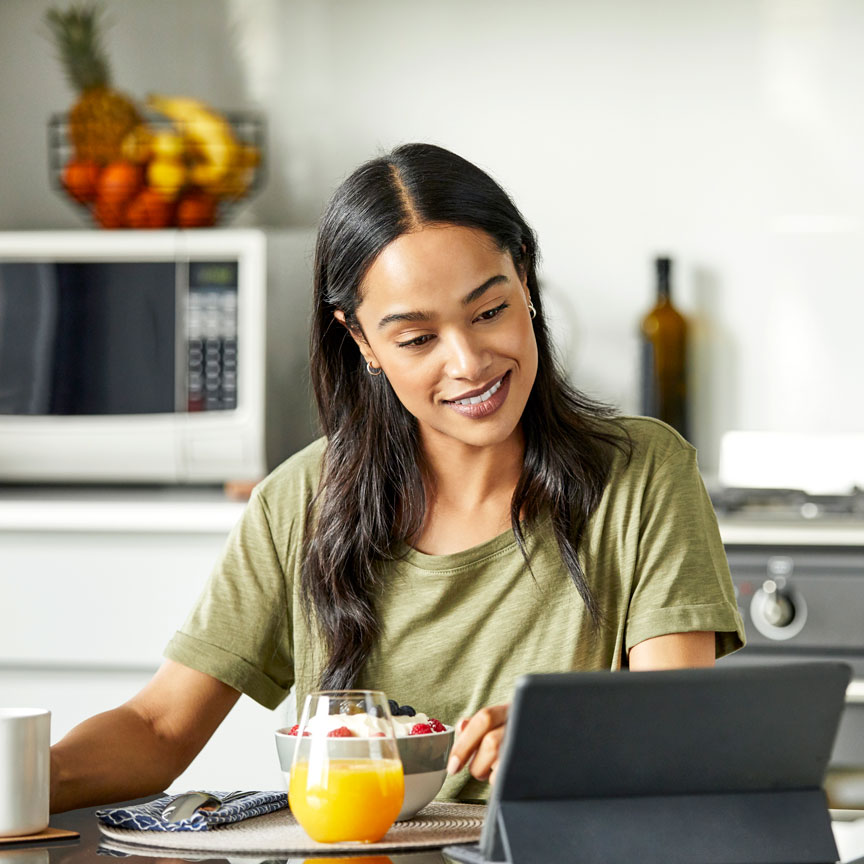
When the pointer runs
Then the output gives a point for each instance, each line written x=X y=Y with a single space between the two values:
x=139 y=748
x=113 y=756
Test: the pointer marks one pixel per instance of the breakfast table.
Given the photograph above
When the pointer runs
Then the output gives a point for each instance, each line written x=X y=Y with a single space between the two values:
x=90 y=848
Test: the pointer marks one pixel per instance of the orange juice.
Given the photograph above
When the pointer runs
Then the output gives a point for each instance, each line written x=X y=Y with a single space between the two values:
x=349 y=799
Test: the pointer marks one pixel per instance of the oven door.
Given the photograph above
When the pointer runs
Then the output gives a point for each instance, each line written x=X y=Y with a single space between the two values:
x=805 y=603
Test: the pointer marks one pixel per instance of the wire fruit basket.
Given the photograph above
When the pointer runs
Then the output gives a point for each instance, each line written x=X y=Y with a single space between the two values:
x=165 y=174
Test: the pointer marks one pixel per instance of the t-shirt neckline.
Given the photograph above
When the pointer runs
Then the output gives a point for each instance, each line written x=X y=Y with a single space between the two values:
x=467 y=557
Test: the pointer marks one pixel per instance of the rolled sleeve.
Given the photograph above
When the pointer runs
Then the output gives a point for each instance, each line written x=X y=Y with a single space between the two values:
x=239 y=629
x=682 y=580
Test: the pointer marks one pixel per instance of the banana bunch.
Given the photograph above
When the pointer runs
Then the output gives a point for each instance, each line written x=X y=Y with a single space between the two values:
x=220 y=164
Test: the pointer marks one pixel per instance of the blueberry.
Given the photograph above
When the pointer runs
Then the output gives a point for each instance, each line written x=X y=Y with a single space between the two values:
x=394 y=707
x=407 y=711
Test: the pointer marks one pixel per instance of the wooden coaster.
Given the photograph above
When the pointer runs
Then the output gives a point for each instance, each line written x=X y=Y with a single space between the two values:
x=43 y=836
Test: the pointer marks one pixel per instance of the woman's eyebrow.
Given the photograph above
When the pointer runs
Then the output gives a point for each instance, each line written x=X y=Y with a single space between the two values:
x=478 y=292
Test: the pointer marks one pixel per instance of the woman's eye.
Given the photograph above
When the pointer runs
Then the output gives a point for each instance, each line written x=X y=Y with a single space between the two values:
x=489 y=314
x=416 y=342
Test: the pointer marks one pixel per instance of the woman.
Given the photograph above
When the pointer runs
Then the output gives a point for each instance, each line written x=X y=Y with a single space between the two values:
x=467 y=517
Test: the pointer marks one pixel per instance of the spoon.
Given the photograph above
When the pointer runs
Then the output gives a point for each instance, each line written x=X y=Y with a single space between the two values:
x=186 y=805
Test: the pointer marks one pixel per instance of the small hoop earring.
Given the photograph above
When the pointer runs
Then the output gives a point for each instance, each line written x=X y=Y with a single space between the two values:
x=374 y=371
x=531 y=310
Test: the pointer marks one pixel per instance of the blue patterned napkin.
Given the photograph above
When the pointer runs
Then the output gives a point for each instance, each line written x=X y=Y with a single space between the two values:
x=148 y=817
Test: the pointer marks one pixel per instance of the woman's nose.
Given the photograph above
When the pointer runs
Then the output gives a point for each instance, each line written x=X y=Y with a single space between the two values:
x=467 y=357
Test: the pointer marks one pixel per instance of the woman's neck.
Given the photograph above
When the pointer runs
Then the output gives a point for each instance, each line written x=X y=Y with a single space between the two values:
x=468 y=492
x=463 y=476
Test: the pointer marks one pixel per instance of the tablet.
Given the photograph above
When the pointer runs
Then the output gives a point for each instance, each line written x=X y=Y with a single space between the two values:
x=700 y=765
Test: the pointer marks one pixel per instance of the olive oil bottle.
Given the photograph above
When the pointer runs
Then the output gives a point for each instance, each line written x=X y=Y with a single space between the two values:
x=664 y=356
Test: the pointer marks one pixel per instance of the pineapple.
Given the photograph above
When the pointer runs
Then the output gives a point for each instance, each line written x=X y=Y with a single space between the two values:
x=102 y=116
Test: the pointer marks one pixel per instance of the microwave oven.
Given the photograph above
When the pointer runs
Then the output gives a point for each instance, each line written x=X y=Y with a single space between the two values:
x=153 y=357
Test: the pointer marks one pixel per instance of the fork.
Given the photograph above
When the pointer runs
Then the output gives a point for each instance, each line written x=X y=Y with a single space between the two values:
x=186 y=805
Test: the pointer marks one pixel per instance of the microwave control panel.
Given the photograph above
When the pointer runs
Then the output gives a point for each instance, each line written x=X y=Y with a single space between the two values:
x=211 y=336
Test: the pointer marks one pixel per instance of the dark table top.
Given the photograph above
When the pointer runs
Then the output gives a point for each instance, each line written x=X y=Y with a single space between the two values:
x=86 y=849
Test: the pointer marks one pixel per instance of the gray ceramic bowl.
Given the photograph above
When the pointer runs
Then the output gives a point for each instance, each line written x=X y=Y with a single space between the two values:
x=424 y=761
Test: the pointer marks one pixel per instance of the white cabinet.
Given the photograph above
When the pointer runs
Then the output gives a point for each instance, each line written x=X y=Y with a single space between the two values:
x=92 y=587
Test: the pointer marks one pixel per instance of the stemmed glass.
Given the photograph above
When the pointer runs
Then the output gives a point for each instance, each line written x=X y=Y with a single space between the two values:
x=346 y=779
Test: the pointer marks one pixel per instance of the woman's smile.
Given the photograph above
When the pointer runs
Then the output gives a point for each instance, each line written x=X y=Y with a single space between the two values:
x=482 y=404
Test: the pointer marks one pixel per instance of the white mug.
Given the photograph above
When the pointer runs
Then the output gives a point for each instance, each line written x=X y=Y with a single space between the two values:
x=25 y=764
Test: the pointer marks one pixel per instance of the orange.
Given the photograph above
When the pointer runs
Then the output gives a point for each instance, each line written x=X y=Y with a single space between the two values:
x=80 y=177
x=118 y=183
x=109 y=214
x=149 y=209
x=196 y=209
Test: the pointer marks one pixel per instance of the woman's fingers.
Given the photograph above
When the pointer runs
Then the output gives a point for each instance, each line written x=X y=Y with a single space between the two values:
x=470 y=741
x=486 y=758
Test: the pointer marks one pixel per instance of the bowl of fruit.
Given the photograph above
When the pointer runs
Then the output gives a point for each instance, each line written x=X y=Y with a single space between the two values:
x=172 y=162
x=182 y=165
x=424 y=745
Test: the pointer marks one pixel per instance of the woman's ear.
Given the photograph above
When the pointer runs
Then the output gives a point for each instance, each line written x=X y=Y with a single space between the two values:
x=358 y=337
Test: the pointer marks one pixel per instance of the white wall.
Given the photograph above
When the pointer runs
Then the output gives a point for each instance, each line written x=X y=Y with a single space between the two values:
x=727 y=133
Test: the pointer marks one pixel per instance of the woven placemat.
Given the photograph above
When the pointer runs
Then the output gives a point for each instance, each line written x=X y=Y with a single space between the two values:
x=438 y=824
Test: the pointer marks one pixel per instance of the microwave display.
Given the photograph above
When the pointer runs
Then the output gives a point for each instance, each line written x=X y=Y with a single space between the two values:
x=104 y=338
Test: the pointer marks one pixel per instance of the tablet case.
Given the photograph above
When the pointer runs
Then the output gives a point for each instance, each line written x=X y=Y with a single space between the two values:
x=703 y=766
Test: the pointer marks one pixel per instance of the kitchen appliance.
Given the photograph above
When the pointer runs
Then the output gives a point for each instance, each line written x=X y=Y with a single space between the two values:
x=797 y=558
x=152 y=356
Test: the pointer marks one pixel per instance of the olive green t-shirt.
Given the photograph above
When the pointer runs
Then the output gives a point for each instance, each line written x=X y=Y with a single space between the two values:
x=458 y=630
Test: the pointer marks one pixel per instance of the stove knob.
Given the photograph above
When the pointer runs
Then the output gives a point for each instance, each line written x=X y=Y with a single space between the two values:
x=778 y=613
x=777 y=608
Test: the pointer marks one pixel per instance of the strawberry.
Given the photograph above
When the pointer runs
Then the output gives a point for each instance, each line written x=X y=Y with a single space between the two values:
x=341 y=732
x=420 y=729
x=296 y=728
x=437 y=725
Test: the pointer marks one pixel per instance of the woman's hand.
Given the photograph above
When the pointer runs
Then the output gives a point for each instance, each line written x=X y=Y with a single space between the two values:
x=478 y=742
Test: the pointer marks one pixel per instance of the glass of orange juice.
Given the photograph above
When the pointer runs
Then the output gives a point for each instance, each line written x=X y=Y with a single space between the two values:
x=346 y=780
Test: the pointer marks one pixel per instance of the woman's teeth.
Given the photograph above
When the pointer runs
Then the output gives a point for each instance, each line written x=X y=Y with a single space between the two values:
x=476 y=400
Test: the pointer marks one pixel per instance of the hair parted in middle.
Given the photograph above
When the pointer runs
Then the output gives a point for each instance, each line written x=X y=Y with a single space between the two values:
x=372 y=497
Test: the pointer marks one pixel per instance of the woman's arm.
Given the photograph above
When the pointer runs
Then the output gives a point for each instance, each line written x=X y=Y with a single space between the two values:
x=674 y=651
x=138 y=748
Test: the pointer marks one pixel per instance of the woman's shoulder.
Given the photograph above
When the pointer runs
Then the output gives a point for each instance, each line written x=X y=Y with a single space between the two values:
x=296 y=479
x=651 y=443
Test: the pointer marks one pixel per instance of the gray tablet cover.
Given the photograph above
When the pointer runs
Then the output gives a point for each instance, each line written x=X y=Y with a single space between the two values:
x=707 y=766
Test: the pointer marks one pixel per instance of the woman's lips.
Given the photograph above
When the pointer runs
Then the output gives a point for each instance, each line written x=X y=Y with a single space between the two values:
x=490 y=406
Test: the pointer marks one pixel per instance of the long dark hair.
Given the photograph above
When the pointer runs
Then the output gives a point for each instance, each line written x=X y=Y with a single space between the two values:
x=371 y=495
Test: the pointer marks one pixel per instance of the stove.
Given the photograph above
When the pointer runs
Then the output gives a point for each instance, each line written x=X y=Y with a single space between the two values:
x=789 y=505
x=797 y=564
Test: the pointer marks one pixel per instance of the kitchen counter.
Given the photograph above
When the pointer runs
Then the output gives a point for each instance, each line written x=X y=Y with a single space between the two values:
x=163 y=509
x=208 y=510
x=750 y=531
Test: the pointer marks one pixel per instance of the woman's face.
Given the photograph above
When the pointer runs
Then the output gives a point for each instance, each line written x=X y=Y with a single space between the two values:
x=445 y=316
